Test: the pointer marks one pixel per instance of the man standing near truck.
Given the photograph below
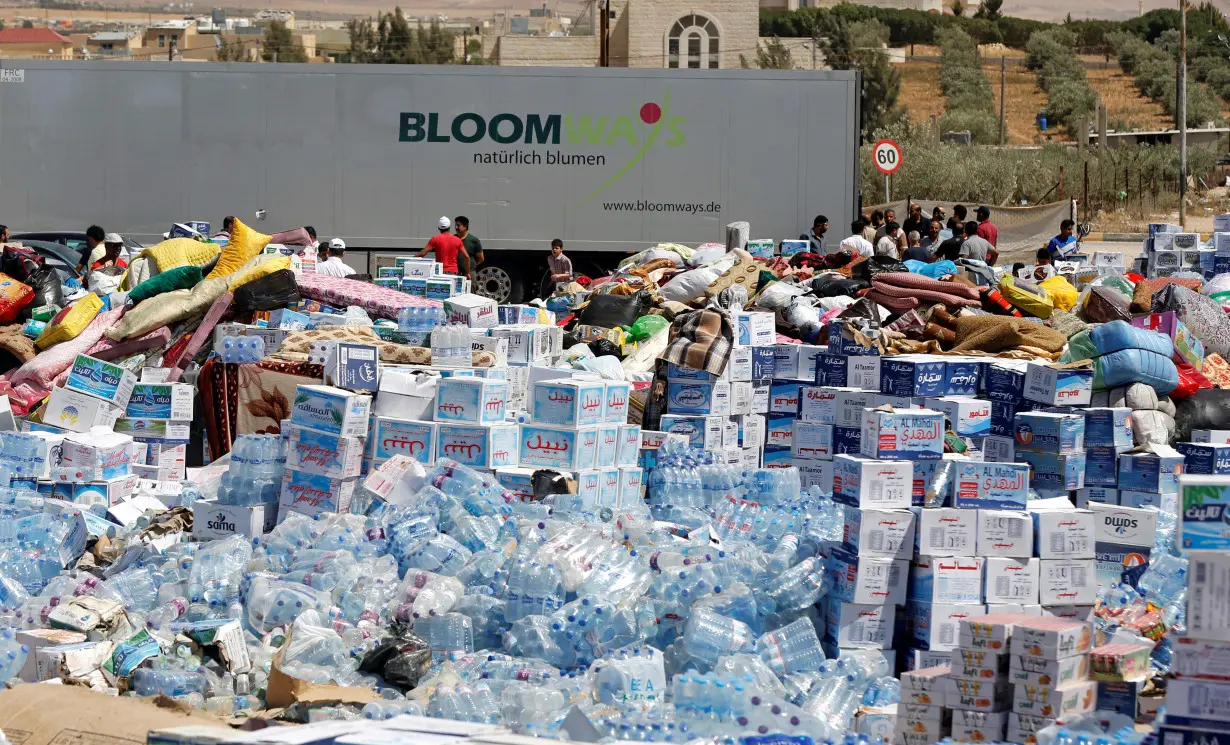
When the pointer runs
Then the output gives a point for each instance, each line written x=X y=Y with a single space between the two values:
x=474 y=247
x=447 y=247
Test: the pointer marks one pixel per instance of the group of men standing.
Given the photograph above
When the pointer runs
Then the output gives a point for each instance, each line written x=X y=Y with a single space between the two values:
x=919 y=238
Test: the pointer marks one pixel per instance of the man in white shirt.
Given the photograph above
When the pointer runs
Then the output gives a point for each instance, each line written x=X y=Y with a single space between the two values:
x=333 y=266
x=856 y=244
x=887 y=245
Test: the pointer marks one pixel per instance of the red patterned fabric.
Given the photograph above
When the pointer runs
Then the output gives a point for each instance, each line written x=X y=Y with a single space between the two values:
x=911 y=281
x=341 y=292
x=919 y=294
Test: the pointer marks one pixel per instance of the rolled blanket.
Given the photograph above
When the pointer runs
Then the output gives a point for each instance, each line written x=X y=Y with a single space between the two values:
x=921 y=294
x=1001 y=333
x=895 y=304
x=913 y=281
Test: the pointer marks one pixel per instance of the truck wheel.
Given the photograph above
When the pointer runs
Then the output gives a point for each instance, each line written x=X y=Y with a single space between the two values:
x=499 y=281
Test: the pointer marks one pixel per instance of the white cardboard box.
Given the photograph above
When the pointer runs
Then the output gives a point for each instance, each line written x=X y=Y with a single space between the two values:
x=1068 y=581
x=1011 y=580
x=944 y=531
x=1005 y=533
x=873 y=532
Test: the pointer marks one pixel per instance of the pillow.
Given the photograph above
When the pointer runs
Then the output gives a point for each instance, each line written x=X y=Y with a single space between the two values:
x=245 y=243
x=1142 y=296
x=272 y=264
x=179 y=252
x=69 y=322
x=179 y=278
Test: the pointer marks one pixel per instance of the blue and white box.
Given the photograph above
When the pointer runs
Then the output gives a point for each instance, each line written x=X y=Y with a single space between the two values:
x=1049 y=432
x=608 y=487
x=777 y=457
x=704 y=432
x=160 y=401
x=629 y=444
x=912 y=376
x=869 y=580
x=779 y=430
x=414 y=439
x=981 y=485
x=471 y=400
x=818 y=404
x=310 y=494
x=1060 y=472
x=1109 y=427
x=969 y=417
x=763 y=363
x=913 y=434
x=897 y=402
x=865 y=482
x=811 y=440
x=786 y=361
x=1123 y=540
x=832 y=370
x=682 y=372
x=962 y=376
x=1156 y=471
x=754 y=328
x=631 y=486
x=1204 y=513
x=1204 y=460
x=559 y=447
x=288 y=320
x=947 y=579
x=102 y=380
x=1101 y=466
x=784 y=396
x=334 y=456
x=863 y=371
x=520 y=482
x=842 y=341
x=332 y=410
x=1101 y=494
x=790 y=248
x=1058 y=386
x=870 y=532
x=617 y=395
x=567 y=402
x=608 y=446
x=1006 y=381
x=694 y=397
x=483 y=445
x=847 y=440
x=1003 y=419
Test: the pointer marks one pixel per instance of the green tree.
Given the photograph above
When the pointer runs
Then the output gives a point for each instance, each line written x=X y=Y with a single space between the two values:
x=860 y=46
x=280 y=46
x=27 y=24
x=957 y=7
x=773 y=55
x=392 y=41
x=992 y=10
x=233 y=51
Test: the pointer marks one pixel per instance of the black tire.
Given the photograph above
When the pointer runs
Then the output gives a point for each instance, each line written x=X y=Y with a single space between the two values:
x=501 y=280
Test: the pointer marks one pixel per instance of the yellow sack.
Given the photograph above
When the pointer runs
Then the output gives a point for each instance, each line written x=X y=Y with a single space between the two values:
x=176 y=252
x=243 y=245
x=1061 y=292
x=70 y=322
x=1023 y=300
x=274 y=264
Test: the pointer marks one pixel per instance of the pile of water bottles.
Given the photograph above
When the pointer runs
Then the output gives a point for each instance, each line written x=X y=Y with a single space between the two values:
x=255 y=473
x=420 y=320
x=693 y=615
x=242 y=349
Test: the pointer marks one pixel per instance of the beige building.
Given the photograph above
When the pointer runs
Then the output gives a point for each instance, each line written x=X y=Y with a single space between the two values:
x=34 y=43
x=114 y=44
x=704 y=34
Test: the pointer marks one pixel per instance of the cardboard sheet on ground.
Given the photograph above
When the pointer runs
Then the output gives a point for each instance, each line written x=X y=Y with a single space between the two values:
x=45 y=714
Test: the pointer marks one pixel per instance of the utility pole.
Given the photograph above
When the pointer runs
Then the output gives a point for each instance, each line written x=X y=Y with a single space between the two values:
x=171 y=48
x=604 y=42
x=1182 y=107
x=1003 y=86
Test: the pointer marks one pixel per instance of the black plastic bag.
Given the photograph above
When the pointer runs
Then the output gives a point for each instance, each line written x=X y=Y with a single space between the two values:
x=1207 y=408
x=613 y=311
x=604 y=347
x=274 y=290
x=403 y=660
x=828 y=285
x=47 y=290
x=865 y=270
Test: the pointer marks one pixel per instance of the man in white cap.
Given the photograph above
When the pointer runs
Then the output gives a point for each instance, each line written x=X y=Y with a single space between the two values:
x=334 y=266
x=110 y=253
x=448 y=248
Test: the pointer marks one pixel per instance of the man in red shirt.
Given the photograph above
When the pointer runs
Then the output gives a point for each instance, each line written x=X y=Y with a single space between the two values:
x=986 y=229
x=447 y=248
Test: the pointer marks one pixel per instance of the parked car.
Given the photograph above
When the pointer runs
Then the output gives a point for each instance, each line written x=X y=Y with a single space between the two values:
x=74 y=241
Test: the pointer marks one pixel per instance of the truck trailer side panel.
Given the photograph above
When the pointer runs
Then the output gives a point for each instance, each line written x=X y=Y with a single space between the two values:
x=608 y=160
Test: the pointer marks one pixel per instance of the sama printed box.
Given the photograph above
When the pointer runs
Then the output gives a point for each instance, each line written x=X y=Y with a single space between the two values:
x=160 y=401
x=568 y=402
x=557 y=447
x=1205 y=460
x=471 y=400
x=102 y=380
x=1156 y=471
x=332 y=410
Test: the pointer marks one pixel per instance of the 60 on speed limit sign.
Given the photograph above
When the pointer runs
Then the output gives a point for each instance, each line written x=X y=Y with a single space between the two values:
x=887 y=155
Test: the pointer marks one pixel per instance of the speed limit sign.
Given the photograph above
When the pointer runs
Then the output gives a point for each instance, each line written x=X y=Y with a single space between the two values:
x=887 y=156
